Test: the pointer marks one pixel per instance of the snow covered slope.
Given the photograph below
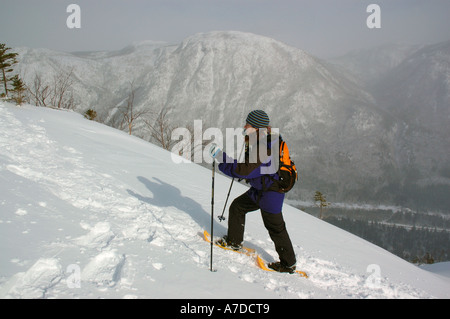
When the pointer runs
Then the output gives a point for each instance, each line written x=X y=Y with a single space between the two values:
x=87 y=211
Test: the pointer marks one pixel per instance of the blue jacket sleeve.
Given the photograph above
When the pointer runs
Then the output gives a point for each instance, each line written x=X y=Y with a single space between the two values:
x=234 y=169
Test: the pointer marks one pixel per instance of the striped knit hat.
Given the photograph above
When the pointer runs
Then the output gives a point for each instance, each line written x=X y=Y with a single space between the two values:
x=258 y=119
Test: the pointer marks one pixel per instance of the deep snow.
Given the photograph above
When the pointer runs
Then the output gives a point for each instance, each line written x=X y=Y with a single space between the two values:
x=87 y=211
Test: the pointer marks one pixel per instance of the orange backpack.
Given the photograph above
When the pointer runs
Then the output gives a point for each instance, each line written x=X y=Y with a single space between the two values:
x=287 y=171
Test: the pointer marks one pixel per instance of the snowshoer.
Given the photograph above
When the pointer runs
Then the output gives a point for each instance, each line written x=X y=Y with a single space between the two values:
x=255 y=170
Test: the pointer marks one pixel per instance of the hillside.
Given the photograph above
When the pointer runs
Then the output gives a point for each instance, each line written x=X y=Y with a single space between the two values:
x=412 y=85
x=79 y=196
x=418 y=92
x=370 y=66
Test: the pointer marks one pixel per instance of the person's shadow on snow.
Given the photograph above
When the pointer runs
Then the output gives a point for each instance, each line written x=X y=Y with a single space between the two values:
x=166 y=195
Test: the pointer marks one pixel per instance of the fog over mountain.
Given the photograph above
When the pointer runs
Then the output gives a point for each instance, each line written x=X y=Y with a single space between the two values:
x=374 y=135
x=412 y=84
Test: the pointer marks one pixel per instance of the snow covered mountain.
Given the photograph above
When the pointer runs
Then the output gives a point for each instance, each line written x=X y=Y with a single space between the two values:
x=87 y=211
x=328 y=120
x=412 y=84
x=101 y=79
x=342 y=141
x=369 y=66
x=418 y=89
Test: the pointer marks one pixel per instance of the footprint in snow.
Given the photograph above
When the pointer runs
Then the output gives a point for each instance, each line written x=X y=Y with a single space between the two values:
x=21 y=212
x=99 y=236
x=35 y=282
x=104 y=269
x=158 y=266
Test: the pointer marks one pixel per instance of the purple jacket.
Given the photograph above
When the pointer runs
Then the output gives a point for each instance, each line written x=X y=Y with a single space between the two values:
x=260 y=192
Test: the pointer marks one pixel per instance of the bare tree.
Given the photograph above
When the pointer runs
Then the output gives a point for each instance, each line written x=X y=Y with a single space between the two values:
x=62 y=95
x=129 y=114
x=56 y=94
x=40 y=92
x=161 y=129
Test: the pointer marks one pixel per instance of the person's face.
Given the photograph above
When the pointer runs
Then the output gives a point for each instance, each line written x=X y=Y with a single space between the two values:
x=248 y=129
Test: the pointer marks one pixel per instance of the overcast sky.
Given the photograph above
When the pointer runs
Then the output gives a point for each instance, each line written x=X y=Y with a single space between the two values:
x=324 y=28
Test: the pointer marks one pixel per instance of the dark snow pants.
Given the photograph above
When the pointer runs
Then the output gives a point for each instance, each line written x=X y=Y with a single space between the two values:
x=274 y=223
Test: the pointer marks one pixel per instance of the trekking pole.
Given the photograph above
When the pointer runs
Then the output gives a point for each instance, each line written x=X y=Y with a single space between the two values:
x=221 y=218
x=212 y=214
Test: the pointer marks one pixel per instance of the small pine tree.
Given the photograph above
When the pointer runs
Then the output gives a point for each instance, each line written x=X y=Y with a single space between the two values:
x=7 y=60
x=90 y=114
x=319 y=197
x=428 y=258
x=18 y=90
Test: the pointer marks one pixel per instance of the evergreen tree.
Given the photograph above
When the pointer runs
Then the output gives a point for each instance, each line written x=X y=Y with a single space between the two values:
x=7 y=60
x=90 y=114
x=319 y=197
x=18 y=90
